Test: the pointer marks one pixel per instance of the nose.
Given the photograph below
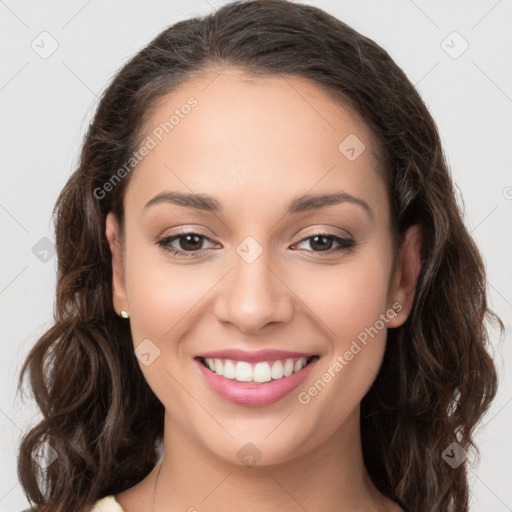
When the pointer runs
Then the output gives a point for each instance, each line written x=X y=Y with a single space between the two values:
x=253 y=295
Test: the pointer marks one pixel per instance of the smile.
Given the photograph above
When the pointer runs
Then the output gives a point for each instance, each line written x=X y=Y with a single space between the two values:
x=264 y=371
x=254 y=379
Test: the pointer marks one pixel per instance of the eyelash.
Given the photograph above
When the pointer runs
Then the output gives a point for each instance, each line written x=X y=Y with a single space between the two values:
x=346 y=244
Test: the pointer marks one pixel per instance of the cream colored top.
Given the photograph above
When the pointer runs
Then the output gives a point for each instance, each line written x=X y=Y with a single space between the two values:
x=107 y=504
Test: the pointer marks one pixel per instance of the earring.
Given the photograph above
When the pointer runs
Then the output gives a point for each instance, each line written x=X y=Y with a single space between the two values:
x=124 y=314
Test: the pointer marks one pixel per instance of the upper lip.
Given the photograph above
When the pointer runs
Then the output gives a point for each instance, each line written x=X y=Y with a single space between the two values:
x=252 y=356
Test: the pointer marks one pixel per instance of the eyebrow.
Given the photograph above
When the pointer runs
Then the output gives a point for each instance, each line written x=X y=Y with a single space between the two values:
x=297 y=205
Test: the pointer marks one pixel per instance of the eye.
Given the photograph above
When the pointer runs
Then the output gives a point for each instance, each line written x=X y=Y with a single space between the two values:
x=188 y=243
x=322 y=243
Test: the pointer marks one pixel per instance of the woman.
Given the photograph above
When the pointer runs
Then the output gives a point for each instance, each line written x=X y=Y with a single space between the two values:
x=267 y=298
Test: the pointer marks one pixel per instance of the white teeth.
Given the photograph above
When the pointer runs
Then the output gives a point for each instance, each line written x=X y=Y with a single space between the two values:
x=277 y=370
x=264 y=371
x=288 y=368
x=243 y=372
x=229 y=370
x=298 y=365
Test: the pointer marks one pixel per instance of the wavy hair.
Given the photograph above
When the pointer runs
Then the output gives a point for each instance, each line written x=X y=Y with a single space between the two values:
x=437 y=377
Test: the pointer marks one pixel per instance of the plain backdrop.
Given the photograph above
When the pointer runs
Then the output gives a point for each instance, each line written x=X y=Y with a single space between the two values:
x=58 y=56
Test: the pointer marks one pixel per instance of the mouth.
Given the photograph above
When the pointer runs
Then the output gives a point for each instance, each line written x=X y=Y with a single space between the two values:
x=258 y=382
x=256 y=372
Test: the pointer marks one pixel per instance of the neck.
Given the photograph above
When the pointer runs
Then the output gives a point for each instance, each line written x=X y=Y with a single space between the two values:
x=331 y=477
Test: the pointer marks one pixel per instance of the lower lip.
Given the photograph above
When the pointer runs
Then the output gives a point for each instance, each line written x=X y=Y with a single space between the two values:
x=254 y=395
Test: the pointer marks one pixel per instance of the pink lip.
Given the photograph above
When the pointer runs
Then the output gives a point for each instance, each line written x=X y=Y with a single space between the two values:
x=253 y=356
x=253 y=395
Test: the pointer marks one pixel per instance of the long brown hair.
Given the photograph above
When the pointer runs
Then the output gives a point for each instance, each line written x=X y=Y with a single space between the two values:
x=437 y=379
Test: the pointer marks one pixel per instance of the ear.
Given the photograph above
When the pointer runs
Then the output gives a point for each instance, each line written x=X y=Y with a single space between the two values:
x=406 y=275
x=118 y=282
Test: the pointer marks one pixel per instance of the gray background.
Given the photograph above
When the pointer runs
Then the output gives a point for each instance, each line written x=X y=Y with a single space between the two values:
x=48 y=100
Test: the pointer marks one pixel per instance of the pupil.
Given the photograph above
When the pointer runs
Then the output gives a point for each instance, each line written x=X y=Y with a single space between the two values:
x=322 y=246
x=192 y=245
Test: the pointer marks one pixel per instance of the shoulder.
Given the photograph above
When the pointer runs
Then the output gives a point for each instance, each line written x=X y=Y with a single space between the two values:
x=107 y=504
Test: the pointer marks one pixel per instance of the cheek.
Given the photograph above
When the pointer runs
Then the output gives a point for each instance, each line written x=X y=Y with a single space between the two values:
x=163 y=301
x=347 y=298
x=352 y=315
x=162 y=294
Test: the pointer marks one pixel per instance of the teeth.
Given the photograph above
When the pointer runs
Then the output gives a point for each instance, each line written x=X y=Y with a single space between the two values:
x=263 y=371
x=243 y=371
x=277 y=370
x=229 y=370
x=296 y=368
x=288 y=368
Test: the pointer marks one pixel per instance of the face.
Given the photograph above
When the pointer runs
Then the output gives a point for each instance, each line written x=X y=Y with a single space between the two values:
x=253 y=281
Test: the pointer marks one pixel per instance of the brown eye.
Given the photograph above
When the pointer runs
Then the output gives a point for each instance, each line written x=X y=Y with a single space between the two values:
x=323 y=243
x=186 y=243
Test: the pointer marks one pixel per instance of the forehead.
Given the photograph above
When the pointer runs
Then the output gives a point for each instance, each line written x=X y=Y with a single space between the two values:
x=226 y=132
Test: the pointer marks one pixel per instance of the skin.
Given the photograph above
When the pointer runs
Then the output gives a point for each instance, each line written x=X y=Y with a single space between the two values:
x=255 y=144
